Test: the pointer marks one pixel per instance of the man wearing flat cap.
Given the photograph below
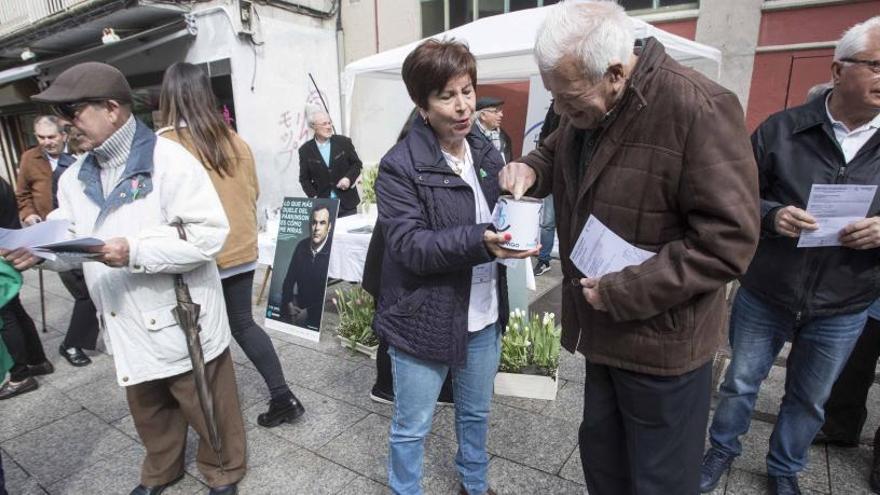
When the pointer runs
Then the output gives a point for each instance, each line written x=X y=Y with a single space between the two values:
x=488 y=119
x=131 y=191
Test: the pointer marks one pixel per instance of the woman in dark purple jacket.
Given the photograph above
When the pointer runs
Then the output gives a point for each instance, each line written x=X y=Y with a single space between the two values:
x=442 y=301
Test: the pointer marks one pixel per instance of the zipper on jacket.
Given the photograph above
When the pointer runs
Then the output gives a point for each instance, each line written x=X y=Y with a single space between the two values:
x=841 y=175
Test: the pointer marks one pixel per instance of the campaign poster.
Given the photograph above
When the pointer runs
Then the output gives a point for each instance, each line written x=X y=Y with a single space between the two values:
x=539 y=103
x=299 y=273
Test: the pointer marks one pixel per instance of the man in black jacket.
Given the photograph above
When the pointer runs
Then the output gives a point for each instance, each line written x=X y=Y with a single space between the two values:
x=302 y=294
x=329 y=166
x=816 y=297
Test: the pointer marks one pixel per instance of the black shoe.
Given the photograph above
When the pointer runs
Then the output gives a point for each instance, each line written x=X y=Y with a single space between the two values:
x=75 y=356
x=225 y=489
x=783 y=485
x=715 y=463
x=381 y=396
x=823 y=438
x=10 y=389
x=280 y=411
x=44 y=368
x=154 y=490
x=541 y=268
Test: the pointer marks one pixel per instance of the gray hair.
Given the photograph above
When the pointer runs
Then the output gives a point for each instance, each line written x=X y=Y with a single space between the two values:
x=51 y=120
x=313 y=116
x=855 y=39
x=598 y=33
x=818 y=90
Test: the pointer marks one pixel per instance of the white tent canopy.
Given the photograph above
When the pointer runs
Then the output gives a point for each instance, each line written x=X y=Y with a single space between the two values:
x=377 y=104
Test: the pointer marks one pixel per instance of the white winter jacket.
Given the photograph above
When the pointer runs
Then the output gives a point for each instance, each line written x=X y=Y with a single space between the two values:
x=162 y=184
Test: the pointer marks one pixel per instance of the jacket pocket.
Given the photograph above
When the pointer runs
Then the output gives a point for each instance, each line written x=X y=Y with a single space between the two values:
x=410 y=303
x=157 y=319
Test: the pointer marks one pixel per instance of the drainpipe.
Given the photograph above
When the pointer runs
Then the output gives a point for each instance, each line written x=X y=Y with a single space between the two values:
x=340 y=65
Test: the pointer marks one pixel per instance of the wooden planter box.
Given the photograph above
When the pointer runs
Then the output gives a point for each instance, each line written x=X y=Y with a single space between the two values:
x=527 y=386
x=369 y=351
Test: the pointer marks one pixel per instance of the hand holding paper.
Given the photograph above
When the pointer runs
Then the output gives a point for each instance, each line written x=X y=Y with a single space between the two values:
x=862 y=234
x=836 y=206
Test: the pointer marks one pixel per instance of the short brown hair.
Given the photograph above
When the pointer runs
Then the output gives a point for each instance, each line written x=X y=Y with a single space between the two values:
x=432 y=64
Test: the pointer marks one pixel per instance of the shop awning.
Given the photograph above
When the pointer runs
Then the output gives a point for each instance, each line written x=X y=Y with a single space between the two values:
x=111 y=53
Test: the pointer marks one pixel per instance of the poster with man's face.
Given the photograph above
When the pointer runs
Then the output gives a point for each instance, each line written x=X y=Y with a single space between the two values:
x=299 y=273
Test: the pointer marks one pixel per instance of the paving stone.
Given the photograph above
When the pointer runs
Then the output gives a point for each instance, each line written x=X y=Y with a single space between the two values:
x=364 y=449
x=850 y=469
x=741 y=482
x=772 y=390
x=536 y=441
x=354 y=388
x=104 y=398
x=300 y=472
x=119 y=473
x=18 y=482
x=572 y=367
x=324 y=419
x=531 y=405
x=313 y=369
x=32 y=410
x=58 y=311
x=66 y=446
x=569 y=403
x=126 y=426
x=508 y=477
x=572 y=469
x=67 y=377
x=51 y=283
x=753 y=458
x=252 y=388
x=364 y=486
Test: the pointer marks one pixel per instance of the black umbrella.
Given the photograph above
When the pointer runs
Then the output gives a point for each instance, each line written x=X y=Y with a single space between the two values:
x=187 y=315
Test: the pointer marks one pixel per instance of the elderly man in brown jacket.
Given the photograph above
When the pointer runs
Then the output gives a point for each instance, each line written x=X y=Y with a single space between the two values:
x=36 y=188
x=661 y=156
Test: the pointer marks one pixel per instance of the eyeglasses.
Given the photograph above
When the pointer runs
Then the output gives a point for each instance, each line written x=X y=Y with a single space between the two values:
x=70 y=111
x=873 y=65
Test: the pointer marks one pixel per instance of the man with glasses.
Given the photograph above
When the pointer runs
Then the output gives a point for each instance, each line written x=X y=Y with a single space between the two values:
x=815 y=297
x=36 y=190
x=137 y=192
x=329 y=166
x=489 y=114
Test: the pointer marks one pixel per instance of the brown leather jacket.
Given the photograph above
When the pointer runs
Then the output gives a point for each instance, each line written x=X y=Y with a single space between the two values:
x=33 y=187
x=673 y=173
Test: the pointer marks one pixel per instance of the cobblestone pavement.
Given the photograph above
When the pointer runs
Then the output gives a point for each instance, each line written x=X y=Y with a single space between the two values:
x=75 y=436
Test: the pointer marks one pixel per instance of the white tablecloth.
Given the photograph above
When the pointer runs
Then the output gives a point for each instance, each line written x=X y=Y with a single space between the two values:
x=349 y=252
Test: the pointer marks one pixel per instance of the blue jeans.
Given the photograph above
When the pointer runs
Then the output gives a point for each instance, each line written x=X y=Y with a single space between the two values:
x=416 y=387
x=820 y=348
x=548 y=230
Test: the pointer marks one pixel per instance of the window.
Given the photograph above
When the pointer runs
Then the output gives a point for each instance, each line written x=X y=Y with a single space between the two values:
x=656 y=4
x=440 y=15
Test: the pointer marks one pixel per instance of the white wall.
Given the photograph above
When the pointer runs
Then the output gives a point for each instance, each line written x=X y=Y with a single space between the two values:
x=271 y=117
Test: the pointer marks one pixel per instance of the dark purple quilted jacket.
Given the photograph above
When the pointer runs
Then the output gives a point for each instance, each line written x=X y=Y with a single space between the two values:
x=427 y=216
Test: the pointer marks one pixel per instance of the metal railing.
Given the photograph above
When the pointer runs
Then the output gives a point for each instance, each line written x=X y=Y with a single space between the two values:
x=16 y=14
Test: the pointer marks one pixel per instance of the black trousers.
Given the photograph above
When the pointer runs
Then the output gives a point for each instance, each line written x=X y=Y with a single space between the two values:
x=252 y=339
x=845 y=411
x=643 y=434
x=83 y=329
x=21 y=338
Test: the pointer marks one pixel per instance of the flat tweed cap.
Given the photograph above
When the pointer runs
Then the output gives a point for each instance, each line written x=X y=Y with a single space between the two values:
x=87 y=81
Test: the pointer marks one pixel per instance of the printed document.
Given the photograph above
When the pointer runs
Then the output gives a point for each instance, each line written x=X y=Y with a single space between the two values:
x=834 y=206
x=599 y=251
x=48 y=238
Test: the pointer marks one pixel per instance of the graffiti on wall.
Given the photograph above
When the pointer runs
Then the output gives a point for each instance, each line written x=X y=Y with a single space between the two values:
x=294 y=129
